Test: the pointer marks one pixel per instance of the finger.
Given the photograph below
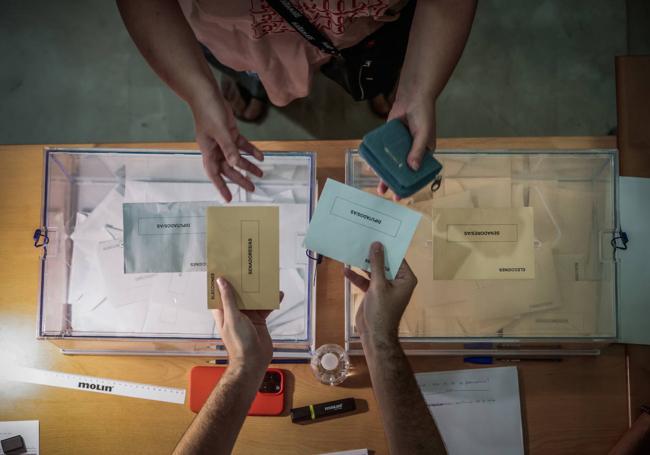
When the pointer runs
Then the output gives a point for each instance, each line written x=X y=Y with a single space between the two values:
x=356 y=279
x=230 y=151
x=377 y=262
x=218 y=318
x=382 y=188
x=418 y=149
x=239 y=179
x=212 y=171
x=223 y=189
x=228 y=299
x=247 y=147
x=245 y=165
x=257 y=316
x=405 y=273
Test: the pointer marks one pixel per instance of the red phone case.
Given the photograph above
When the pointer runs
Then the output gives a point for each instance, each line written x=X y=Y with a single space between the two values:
x=203 y=380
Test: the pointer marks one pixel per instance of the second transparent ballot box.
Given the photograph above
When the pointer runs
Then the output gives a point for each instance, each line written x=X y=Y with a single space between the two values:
x=568 y=198
x=88 y=303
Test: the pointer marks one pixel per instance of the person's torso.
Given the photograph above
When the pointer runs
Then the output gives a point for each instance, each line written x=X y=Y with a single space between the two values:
x=249 y=35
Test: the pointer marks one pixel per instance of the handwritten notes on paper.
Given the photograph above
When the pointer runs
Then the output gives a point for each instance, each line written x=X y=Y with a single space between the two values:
x=477 y=411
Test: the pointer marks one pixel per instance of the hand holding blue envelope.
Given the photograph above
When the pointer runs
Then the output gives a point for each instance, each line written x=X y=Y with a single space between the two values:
x=347 y=221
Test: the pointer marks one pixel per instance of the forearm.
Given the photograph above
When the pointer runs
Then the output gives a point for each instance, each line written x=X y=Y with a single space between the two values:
x=215 y=428
x=438 y=35
x=410 y=428
x=165 y=39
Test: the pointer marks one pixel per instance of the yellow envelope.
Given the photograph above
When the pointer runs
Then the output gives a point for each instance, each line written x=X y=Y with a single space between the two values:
x=243 y=246
x=483 y=244
x=577 y=317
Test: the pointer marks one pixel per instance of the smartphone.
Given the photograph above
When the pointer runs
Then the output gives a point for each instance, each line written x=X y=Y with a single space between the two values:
x=269 y=400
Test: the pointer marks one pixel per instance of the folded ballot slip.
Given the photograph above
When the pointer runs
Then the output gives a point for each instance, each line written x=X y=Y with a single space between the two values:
x=243 y=246
x=347 y=221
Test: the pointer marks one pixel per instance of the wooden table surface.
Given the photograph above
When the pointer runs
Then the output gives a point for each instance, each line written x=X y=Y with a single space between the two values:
x=576 y=406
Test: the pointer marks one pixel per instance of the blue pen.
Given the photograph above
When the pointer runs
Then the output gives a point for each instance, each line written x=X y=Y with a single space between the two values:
x=480 y=360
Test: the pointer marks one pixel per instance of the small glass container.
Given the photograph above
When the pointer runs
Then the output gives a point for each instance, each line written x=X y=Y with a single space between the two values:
x=330 y=364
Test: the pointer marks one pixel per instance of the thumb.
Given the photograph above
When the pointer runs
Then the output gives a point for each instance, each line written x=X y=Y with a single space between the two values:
x=377 y=263
x=418 y=149
x=228 y=298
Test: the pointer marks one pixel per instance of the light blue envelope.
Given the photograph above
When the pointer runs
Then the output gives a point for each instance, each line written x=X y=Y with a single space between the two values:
x=348 y=220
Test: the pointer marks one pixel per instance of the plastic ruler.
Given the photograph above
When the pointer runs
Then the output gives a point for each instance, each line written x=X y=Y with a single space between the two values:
x=95 y=384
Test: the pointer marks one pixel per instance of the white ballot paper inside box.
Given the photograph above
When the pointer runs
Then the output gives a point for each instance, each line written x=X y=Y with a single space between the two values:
x=170 y=236
x=164 y=237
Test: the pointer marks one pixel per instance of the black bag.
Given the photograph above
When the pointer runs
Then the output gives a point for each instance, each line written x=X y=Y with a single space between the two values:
x=367 y=69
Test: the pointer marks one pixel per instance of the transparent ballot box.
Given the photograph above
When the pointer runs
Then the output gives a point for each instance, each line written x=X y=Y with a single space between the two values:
x=567 y=303
x=89 y=304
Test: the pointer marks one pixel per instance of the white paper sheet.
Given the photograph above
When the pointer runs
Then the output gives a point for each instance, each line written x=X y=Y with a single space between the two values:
x=347 y=221
x=28 y=429
x=103 y=223
x=477 y=411
x=121 y=288
x=179 y=305
x=142 y=191
x=289 y=321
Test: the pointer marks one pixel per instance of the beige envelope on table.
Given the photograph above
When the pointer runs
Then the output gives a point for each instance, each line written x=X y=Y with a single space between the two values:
x=503 y=299
x=243 y=246
x=562 y=216
x=431 y=292
x=483 y=244
x=577 y=316
x=492 y=192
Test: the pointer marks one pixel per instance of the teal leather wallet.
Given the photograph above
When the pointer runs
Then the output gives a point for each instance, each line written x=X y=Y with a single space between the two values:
x=386 y=148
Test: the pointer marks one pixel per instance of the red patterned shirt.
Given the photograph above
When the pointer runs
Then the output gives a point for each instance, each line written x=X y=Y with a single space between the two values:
x=248 y=35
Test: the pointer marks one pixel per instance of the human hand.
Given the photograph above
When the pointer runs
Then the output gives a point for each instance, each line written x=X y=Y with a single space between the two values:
x=382 y=307
x=418 y=113
x=220 y=142
x=244 y=332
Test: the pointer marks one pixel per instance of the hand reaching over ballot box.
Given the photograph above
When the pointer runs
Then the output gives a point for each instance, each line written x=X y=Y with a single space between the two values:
x=220 y=143
x=409 y=426
x=385 y=300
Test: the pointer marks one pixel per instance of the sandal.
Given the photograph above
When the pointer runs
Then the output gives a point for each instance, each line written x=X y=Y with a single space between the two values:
x=241 y=100
x=381 y=105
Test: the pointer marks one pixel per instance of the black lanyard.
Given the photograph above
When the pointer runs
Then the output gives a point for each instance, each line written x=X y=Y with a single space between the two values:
x=301 y=24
